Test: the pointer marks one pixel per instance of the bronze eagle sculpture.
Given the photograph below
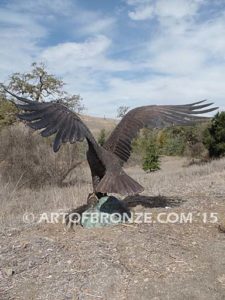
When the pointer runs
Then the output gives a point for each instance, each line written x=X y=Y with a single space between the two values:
x=106 y=162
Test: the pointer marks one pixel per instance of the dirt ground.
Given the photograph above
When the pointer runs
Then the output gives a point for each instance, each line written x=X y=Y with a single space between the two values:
x=156 y=260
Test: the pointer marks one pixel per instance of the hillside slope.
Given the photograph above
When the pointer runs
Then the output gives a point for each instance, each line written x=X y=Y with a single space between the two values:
x=95 y=124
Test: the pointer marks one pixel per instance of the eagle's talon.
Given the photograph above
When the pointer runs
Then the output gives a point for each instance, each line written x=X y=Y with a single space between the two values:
x=74 y=216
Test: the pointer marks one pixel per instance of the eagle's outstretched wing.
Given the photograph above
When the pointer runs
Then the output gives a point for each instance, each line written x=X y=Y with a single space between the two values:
x=53 y=118
x=154 y=116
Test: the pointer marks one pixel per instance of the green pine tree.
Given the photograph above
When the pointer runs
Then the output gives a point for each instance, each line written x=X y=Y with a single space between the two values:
x=151 y=158
x=102 y=137
x=214 y=136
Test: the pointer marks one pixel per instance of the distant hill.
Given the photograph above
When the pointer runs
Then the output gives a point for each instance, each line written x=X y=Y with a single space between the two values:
x=95 y=124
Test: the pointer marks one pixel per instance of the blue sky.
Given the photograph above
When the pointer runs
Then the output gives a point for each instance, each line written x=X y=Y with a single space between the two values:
x=120 y=52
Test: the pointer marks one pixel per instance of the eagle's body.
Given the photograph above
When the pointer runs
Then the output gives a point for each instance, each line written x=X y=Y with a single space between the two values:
x=106 y=162
x=108 y=175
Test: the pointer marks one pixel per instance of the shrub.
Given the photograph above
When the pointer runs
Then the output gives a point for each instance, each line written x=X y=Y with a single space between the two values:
x=145 y=145
x=151 y=158
x=102 y=137
x=7 y=112
x=214 y=136
x=174 y=141
x=27 y=159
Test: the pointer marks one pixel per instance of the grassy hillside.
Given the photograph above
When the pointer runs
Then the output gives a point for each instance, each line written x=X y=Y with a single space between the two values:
x=96 y=124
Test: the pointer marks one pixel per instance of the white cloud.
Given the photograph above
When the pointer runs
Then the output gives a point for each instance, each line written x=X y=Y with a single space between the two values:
x=147 y=9
x=85 y=67
x=141 y=13
x=90 y=54
x=187 y=47
x=81 y=51
x=180 y=61
x=183 y=59
x=100 y=25
x=43 y=7
x=188 y=57
x=177 y=8
x=18 y=37
x=137 y=2
x=157 y=90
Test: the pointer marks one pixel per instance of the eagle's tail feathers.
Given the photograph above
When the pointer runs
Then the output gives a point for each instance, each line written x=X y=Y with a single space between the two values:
x=119 y=184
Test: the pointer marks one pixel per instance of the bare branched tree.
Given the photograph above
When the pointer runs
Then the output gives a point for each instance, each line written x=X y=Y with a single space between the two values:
x=121 y=111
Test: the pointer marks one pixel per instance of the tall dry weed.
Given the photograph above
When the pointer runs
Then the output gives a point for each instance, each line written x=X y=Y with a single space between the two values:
x=28 y=160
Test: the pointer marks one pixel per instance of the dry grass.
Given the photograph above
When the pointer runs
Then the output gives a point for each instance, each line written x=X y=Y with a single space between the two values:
x=26 y=159
x=177 y=178
x=16 y=201
x=137 y=261
x=174 y=179
x=97 y=124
